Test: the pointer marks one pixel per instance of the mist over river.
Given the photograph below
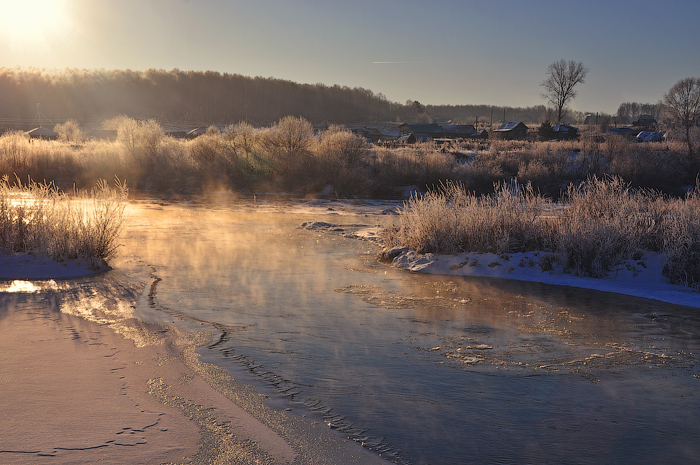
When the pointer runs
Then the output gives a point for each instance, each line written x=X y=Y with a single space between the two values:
x=422 y=369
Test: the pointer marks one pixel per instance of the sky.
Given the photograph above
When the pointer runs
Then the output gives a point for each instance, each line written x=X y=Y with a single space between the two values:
x=438 y=52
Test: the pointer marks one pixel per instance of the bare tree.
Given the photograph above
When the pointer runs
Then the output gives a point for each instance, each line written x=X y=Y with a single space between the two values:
x=682 y=102
x=562 y=77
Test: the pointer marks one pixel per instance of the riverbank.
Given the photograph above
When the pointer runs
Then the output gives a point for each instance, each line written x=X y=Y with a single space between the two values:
x=119 y=390
x=639 y=278
x=31 y=267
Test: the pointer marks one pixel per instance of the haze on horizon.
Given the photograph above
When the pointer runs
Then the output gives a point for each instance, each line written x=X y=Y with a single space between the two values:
x=444 y=52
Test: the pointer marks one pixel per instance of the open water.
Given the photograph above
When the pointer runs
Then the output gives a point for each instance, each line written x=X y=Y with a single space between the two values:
x=421 y=369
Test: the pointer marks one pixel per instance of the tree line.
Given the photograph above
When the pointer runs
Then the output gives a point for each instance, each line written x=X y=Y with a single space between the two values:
x=172 y=96
x=193 y=97
x=633 y=110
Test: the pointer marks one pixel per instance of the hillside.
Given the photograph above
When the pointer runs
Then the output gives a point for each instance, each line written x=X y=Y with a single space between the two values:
x=31 y=96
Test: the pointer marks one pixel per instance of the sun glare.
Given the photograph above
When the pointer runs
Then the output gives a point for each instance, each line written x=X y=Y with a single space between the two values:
x=24 y=23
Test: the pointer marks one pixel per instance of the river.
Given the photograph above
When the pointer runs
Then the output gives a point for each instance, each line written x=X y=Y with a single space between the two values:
x=422 y=369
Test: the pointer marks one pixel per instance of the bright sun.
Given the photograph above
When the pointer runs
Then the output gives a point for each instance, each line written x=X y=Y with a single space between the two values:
x=25 y=22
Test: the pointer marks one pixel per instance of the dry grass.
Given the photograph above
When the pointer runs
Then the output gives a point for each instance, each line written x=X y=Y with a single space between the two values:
x=450 y=220
x=37 y=218
x=603 y=223
x=290 y=157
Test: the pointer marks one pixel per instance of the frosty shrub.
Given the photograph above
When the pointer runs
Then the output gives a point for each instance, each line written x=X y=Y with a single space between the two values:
x=604 y=223
x=341 y=145
x=450 y=220
x=290 y=143
x=291 y=157
x=207 y=148
x=140 y=138
x=653 y=165
x=601 y=224
x=14 y=150
x=38 y=218
x=680 y=240
x=70 y=131
x=421 y=165
x=343 y=161
x=243 y=136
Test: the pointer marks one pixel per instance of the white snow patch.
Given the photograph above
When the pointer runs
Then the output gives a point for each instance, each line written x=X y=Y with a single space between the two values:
x=640 y=278
x=19 y=267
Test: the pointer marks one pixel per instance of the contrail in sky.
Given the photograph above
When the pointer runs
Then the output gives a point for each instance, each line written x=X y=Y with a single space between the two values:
x=396 y=62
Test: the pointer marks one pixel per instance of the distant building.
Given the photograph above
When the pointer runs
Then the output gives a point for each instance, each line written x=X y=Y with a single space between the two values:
x=457 y=131
x=512 y=130
x=591 y=120
x=435 y=131
x=481 y=134
x=42 y=133
x=196 y=132
x=407 y=139
x=380 y=132
x=565 y=132
x=422 y=137
x=412 y=138
x=645 y=122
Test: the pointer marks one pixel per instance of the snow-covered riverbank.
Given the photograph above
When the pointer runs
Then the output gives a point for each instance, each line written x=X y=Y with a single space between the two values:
x=41 y=267
x=640 y=278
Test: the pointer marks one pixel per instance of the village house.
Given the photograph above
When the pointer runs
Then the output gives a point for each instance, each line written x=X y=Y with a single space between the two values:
x=645 y=122
x=458 y=131
x=42 y=133
x=434 y=131
x=565 y=132
x=511 y=130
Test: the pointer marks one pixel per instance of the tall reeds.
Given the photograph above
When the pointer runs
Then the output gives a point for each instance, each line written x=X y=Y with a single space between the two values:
x=451 y=219
x=600 y=224
x=38 y=218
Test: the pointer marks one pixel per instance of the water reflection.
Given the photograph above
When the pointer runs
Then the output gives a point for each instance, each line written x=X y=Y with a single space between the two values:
x=108 y=299
x=422 y=369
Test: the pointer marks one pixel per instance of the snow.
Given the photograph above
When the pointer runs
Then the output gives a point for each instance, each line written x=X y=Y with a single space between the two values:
x=640 y=278
x=39 y=267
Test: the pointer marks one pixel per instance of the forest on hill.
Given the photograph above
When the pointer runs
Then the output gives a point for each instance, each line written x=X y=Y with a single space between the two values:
x=192 y=97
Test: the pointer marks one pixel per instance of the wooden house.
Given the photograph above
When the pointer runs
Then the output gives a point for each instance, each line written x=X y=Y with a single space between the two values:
x=42 y=133
x=511 y=130
x=433 y=130
x=458 y=131
x=565 y=132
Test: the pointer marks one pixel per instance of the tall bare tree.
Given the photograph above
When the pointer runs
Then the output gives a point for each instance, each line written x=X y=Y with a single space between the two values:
x=562 y=77
x=682 y=102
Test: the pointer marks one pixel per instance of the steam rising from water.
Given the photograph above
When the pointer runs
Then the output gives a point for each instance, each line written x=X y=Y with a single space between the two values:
x=423 y=369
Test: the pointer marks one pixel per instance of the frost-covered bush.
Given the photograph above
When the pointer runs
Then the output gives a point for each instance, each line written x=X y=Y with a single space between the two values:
x=600 y=224
x=451 y=219
x=38 y=218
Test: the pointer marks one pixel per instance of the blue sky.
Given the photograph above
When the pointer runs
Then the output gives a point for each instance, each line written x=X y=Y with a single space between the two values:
x=439 y=52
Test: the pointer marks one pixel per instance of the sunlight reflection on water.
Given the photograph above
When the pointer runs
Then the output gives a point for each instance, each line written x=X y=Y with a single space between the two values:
x=27 y=286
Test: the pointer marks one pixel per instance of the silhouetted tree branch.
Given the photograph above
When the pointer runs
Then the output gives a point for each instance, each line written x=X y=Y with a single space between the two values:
x=682 y=102
x=562 y=78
